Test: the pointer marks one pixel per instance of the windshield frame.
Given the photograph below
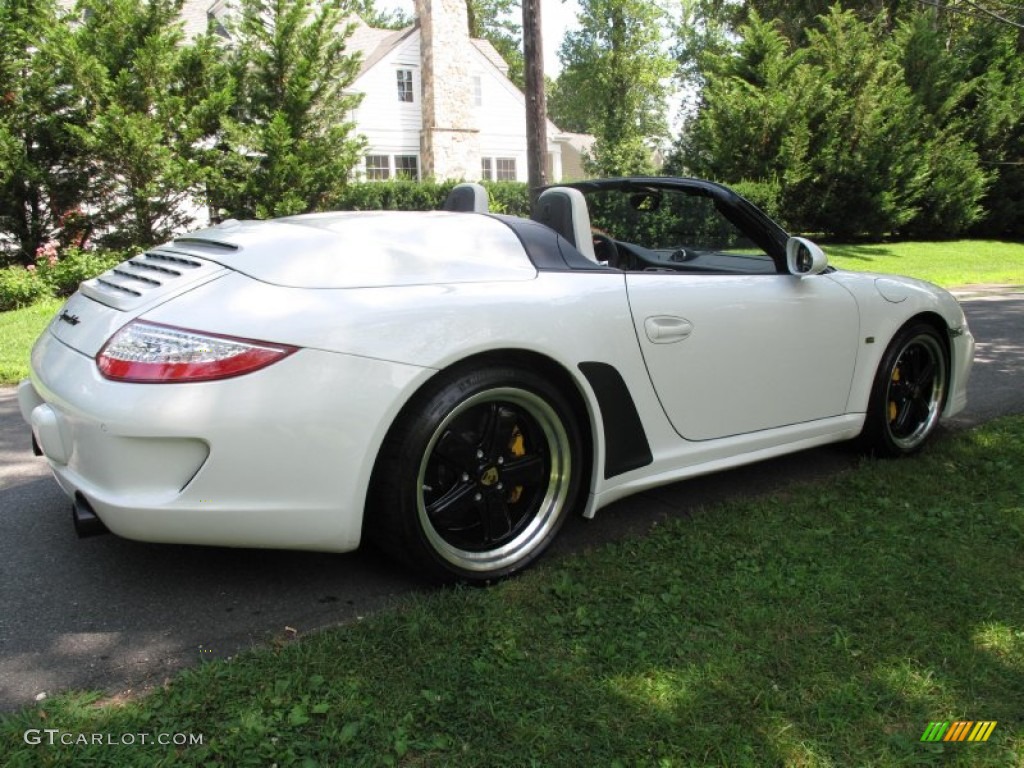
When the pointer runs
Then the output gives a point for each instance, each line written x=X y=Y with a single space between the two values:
x=741 y=213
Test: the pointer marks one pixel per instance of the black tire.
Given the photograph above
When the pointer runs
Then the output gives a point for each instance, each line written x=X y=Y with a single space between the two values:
x=477 y=475
x=909 y=392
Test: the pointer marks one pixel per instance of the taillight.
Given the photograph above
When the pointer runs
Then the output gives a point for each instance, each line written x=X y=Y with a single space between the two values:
x=148 y=352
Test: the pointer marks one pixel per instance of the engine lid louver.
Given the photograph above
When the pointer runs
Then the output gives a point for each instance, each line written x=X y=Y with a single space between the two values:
x=148 y=276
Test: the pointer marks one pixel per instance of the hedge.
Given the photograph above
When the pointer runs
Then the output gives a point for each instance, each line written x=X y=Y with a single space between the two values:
x=511 y=197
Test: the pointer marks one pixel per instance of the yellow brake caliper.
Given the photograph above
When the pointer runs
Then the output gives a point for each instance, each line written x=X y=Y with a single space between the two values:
x=893 y=410
x=517 y=447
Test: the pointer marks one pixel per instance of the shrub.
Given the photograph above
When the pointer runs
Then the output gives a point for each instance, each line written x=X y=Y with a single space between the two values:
x=509 y=197
x=398 y=195
x=21 y=286
x=64 y=274
x=55 y=274
x=765 y=195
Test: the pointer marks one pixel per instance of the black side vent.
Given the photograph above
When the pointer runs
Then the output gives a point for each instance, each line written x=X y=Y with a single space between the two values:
x=145 y=277
x=626 y=446
x=202 y=242
x=117 y=287
x=156 y=259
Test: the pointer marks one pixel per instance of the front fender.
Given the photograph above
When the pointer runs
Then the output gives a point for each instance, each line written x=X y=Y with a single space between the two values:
x=887 y=303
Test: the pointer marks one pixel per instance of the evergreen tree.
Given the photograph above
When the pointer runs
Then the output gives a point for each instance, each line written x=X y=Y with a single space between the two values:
x=795 y=19
x=288 y=145
x=995 y=123
x=42 y=168
x=150 y=110
x=614 y=83
x=943 y=87
x=831 y=135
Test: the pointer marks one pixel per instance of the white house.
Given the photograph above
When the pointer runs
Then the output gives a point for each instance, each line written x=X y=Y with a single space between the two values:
x=436 y=103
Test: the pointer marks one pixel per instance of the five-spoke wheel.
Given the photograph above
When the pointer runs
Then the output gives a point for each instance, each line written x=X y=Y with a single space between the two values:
x=909 y=392
x=478 y=475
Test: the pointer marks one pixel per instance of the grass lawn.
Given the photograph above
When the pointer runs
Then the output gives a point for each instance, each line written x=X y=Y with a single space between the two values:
x=826 y=625
x=19 y=329
x=948 y=264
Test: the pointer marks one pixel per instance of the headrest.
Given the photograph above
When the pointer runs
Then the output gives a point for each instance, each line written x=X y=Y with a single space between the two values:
x=466 y=198
x=564 y=209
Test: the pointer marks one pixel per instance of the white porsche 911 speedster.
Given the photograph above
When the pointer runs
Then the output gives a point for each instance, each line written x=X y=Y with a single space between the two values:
x=453 y=384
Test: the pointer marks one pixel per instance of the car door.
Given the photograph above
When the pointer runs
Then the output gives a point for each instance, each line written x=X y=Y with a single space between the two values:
x=730 y=354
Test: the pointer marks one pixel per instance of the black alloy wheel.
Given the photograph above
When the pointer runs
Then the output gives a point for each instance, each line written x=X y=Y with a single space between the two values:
x=482 y=472
x=909 y=392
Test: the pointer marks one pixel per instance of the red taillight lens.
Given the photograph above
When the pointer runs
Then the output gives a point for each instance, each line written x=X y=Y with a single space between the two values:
x=148 y=352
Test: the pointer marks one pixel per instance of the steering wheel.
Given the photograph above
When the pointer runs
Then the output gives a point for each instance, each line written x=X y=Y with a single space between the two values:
x=605 y=249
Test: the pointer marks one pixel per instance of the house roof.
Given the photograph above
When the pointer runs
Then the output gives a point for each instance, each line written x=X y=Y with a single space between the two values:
x=487 y=49
x=372 y=43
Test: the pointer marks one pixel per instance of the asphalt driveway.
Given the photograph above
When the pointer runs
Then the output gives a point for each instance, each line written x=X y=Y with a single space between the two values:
x=118 y=615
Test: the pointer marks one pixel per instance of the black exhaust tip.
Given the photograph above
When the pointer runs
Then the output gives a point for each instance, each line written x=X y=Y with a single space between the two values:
x=87 y=523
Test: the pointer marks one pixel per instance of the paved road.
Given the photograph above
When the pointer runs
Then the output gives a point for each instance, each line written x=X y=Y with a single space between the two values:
x=118 y=615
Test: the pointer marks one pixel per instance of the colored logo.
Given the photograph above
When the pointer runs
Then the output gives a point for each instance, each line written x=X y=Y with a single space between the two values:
x=961 y=730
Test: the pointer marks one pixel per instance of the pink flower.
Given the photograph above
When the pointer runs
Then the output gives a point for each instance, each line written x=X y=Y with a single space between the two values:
x=48 y=251
x=31 y=267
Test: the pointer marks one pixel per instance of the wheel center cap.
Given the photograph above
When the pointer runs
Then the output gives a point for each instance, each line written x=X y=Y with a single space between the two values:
x=489 y=477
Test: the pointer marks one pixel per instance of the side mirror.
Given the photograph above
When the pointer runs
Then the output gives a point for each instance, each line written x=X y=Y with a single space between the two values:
x=804 y=257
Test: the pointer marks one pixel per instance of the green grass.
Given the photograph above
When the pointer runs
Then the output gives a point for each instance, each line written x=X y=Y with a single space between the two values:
x=19 y=329
x=948 y=264
x=824 y=625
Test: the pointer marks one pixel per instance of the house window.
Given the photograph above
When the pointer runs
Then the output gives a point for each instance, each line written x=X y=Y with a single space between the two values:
x=378 y=167
x=498 y=169
x=405 y=85
x=478 y=91
x=407 y=167
x=505 y=168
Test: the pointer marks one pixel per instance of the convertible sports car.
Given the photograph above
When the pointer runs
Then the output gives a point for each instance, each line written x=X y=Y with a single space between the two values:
x=455 y=383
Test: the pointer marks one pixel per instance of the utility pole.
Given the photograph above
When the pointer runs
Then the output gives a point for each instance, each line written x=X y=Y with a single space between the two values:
x=536 y=102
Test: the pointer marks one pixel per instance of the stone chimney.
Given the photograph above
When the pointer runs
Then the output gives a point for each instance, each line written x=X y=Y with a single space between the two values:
x=449 y=141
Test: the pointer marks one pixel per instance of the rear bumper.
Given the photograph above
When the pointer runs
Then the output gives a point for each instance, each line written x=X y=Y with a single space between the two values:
x=280 y=458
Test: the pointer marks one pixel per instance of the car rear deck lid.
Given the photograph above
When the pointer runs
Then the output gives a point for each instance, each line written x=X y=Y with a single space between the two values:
x=366 y=249
x=148 y=276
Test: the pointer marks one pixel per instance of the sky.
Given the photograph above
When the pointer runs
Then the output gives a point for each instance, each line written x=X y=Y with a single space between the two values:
x=556 y=16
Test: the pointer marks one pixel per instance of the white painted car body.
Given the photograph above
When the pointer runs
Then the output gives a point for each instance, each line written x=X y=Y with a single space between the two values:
x=722 y=369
